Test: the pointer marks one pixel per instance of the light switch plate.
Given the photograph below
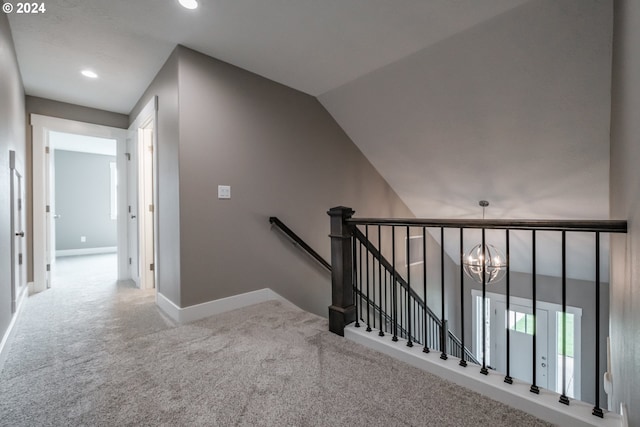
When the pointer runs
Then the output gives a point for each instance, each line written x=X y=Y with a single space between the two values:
x=224 y=191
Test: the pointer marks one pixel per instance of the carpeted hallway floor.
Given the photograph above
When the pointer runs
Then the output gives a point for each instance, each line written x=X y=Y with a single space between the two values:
x=93 y=352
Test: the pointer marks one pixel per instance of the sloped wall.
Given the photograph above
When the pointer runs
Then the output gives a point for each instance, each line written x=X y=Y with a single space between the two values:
x=514 y=110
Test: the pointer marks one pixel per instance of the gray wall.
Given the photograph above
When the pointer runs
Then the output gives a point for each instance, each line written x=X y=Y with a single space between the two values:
x=625 y=204
x=165 y=86
x=12 y=137
x=282 y=154
x=83 y=200
x=47 y=107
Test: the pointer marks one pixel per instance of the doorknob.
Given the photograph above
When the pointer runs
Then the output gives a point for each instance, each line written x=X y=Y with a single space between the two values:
x=20 y=234
x=133 y=217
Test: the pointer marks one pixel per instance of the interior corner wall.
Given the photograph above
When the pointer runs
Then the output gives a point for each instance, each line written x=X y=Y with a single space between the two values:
x=165 y=87
x=283 y=155
x=12 y=137
x=61 y=110
x=625 y=204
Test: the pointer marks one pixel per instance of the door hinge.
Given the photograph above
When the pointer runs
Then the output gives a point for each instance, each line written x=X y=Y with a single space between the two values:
x=46 y=150
x=151 y=148
x=129 y=261
x=129 y=208
x=151 y=267
x=150 y=208
x=128 y=156
x=48 y=209
x=19 y=259
x=48 y=267
x=19 y=204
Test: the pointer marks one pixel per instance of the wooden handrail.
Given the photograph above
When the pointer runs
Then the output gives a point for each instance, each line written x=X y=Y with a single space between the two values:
x=603 y=226
x=298 y=241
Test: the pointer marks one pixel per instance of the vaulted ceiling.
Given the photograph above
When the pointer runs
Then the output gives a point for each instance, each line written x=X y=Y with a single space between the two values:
x=453 y=101
x=313 y=46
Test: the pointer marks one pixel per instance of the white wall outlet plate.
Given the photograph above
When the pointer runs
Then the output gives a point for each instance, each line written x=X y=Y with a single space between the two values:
x=224 y=191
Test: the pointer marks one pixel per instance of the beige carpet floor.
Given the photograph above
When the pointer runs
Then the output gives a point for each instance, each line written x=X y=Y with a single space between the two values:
x=92 y=352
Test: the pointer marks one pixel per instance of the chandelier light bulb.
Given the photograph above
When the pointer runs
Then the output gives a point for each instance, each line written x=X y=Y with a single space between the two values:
x=189 y=4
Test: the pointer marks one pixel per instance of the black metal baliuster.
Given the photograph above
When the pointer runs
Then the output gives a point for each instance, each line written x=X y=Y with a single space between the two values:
x=405 y=314
x=409 y=318
x=388 y=321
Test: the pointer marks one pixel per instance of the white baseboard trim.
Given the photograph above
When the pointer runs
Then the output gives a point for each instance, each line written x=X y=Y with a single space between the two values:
x=10 y=332
x=544 y=406
x=86 y=251
x=210 y=308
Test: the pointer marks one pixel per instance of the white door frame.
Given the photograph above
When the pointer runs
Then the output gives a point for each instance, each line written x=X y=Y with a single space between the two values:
x=41 y=126
x=552 y=327
x=146 y=120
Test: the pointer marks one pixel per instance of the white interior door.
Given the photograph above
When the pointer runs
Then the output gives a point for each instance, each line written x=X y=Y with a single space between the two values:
x=18 y=222
x=52 y=205
x=132 y=202
x=147 y=208
x=141 y=191
x=49 y=225
x=520 y=322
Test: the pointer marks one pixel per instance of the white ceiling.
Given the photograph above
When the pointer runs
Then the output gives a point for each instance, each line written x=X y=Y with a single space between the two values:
x=310 y=45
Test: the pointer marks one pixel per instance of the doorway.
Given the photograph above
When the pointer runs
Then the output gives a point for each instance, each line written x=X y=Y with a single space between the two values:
x=83 y=205
x=45 y=131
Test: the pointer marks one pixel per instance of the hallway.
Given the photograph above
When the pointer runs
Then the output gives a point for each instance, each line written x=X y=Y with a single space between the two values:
x=96 y=352
x=67 y=337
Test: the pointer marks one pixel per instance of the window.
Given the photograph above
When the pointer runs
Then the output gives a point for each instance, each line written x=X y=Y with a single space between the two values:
x=521 y=322
x=570 y=338
x=416 y=250
x=114 y=192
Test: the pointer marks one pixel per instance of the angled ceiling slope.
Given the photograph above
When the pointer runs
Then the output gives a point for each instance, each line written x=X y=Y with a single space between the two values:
x=305 y=44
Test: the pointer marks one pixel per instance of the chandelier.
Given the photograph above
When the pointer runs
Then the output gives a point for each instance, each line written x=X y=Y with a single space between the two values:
x=485 y=260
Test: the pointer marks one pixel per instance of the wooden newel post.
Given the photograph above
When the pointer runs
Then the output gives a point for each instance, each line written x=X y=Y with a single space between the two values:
x=341 y=311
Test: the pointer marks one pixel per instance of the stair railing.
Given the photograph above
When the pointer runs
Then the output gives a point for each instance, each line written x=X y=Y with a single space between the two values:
x=433 y=322
x=365 y=285
x=419 y=310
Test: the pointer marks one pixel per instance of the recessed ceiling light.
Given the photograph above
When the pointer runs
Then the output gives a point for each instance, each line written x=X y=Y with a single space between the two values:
x=89 y=73
x=189 y=4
